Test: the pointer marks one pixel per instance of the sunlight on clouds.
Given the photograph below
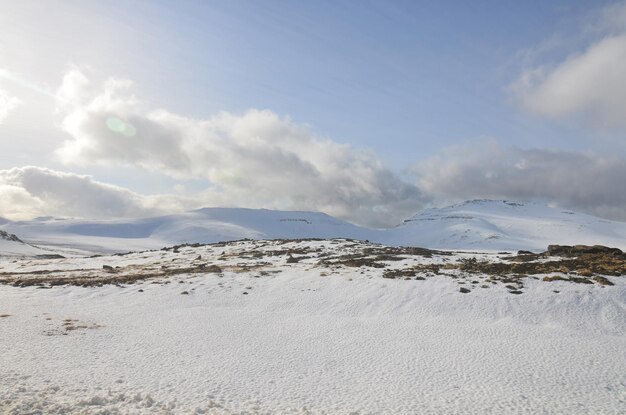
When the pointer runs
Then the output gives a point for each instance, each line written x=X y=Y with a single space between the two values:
x=17 y=203
x=590 y=84
x=26 y=192
x=256 y=159
x=261 y=160
x=118 y=126
x=7 y=104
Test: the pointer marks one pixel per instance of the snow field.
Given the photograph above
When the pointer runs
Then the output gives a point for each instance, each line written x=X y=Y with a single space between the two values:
x=300 y=342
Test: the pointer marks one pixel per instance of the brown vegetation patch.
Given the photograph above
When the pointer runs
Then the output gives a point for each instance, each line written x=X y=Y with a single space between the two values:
x=375 y=257
x=589 y=261
x=86 y=279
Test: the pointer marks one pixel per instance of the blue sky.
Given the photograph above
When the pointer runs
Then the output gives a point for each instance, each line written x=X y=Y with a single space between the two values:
x=404 y=84
x=420 y=75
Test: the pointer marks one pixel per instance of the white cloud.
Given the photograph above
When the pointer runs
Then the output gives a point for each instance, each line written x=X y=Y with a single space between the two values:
x=579 y=181
x=256 y=159
x=7 y=104
x=583 y=182
x=589 y=84
x=26 y=192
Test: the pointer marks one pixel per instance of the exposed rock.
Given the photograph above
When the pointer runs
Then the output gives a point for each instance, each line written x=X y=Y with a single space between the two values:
x=576 y=250
x=49 y=256
x=10 y=237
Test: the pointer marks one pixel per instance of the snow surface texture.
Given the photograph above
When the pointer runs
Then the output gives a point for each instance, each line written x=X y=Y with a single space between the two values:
x=478 y=224
x=268 y=335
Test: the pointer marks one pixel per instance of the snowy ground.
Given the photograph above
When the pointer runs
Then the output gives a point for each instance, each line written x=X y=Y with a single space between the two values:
x=256 y=334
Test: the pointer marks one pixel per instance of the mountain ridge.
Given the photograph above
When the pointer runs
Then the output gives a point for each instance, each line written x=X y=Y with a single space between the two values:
x=474 y=224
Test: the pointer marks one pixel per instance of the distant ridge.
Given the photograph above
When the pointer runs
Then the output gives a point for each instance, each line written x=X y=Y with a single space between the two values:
x=11 y=245
x=480 y=224
x=504 y=224
x=10 y=237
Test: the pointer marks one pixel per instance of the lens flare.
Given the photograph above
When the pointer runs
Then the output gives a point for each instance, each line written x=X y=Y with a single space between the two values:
x=121 y=127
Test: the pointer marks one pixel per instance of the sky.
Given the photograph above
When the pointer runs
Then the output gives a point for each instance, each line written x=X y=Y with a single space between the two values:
x=366 y=110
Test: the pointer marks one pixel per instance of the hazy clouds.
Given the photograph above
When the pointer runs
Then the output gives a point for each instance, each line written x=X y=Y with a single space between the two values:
x=589 y=83
x=260 y=159
x=582 y=181
x=252 y=159
x=27 y=192
x=579 y=181
x=7 y=103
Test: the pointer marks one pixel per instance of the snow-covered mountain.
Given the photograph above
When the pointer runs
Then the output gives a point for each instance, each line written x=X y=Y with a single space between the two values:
x=500 y=224
x=203 y=226
x=11 y=245
x=476 y=224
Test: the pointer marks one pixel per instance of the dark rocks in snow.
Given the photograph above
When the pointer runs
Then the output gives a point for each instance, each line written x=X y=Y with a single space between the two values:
x=576 y=250
x=49 y=256
x=10 y=237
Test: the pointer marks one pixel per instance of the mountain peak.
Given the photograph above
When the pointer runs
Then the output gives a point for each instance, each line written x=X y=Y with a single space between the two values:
x=506 y=224
x=474 y=224
x=10 y=237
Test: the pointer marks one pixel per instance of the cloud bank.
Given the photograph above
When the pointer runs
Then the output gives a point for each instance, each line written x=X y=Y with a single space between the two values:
x=590 y=84
x=253 y=159
x=261 y=160
x=27 y=192
x=581 y=181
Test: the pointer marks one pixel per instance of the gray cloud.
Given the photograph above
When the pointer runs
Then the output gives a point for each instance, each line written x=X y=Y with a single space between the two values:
x=258 y=159
x=589 y=84
x=254 y=159
x=582 y=181
x=26 y=192
x=578 y=181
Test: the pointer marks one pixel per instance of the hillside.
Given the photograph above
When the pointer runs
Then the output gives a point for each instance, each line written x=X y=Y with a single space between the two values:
x=504 y=225
x=200 y=226
x=11 y=245
x=472 y=225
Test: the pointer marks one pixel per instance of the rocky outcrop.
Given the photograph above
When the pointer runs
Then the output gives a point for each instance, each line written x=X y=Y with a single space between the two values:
x=10 y=237
x=578 y=250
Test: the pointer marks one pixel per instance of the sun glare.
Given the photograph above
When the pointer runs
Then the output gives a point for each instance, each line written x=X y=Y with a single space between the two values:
x=121 y=127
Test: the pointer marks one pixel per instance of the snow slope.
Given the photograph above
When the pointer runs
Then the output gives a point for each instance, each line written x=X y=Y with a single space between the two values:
x=477 y=224
x=306 y=340
x=11 y=245
x=504 y=225
x=202 y=226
